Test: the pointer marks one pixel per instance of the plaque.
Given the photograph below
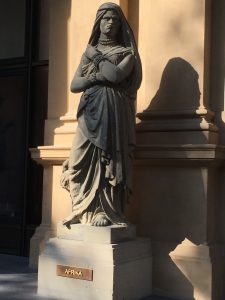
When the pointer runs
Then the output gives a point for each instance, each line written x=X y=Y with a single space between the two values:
x=74 y=272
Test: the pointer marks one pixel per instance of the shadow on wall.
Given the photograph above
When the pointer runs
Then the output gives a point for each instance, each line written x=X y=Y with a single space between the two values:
x=179 y=88
x=170 y=196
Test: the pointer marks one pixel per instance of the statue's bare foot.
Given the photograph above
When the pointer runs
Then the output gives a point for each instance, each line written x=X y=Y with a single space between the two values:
x=100 y=221
x=66 y=223
x=70 y=220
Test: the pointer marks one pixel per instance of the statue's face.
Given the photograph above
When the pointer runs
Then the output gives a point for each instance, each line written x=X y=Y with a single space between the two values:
x=110 y=24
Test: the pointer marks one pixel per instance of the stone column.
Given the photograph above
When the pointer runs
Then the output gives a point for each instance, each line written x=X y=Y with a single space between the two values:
x=178 y=158
x=71 y=23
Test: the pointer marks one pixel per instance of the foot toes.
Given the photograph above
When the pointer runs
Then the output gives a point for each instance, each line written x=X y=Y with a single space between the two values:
x=66 y=223
x=101 y=221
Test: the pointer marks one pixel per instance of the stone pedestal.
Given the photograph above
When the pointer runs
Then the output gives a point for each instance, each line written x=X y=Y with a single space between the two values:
x=119 y=264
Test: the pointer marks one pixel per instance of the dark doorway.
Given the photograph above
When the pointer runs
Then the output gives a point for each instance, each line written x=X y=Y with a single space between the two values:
x=23 y=109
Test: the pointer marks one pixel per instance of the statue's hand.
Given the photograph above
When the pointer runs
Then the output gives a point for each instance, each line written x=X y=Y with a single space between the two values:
x=92 y=77
x=91 y=52
x=96 y=77
x=100 y=77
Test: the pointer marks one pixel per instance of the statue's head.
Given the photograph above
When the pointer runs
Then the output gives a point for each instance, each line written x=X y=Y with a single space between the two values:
x=110 y=23
x=108 y=6
x=111 y=20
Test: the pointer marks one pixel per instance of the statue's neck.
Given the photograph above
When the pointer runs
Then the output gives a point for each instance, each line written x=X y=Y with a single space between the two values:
x=104 y=36
x=105 y=40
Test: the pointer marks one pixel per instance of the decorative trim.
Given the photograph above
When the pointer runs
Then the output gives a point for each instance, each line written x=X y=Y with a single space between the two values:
x=204 y=154
x=50 y=155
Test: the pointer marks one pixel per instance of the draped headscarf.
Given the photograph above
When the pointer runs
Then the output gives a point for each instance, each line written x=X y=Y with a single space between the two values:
x=125 y=39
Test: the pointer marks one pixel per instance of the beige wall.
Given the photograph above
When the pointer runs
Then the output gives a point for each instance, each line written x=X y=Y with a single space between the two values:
x=168 y=29
x=60 y=13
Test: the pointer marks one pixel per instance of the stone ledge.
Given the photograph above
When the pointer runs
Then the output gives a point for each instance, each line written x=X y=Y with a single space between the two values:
x=179 y=154
x=144 y=153
x=202 y=112
x=92 y=234
x=50 y=155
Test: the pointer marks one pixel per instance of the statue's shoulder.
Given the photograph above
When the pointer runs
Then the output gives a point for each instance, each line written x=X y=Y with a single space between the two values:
x=127 y=51
x=84 y=59
x=121 y=50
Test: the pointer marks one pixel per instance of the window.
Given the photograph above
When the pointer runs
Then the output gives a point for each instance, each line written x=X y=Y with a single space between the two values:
x=12 y=28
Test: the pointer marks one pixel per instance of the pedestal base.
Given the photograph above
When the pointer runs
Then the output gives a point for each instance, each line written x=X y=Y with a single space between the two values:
x=104 y=235
x=119 y=271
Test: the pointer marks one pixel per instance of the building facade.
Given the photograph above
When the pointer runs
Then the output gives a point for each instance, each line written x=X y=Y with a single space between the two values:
x=179 y=160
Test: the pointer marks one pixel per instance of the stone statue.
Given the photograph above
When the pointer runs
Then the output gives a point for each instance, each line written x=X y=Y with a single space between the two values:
x=98 y=171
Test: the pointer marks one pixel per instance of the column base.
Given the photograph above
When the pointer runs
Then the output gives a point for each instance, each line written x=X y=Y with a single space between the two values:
x=37 y=243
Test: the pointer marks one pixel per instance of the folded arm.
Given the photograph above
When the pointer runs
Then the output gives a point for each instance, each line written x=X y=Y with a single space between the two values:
x=79 y=82
x=107 y=71
x=116 y=74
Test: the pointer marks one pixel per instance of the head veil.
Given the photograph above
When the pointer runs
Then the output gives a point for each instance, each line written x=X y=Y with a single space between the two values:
x=126 y=39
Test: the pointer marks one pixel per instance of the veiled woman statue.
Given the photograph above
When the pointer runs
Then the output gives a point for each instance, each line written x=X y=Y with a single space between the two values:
x=98 y=171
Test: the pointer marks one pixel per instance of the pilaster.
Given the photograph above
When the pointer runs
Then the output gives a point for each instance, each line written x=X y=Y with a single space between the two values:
x=178 y=158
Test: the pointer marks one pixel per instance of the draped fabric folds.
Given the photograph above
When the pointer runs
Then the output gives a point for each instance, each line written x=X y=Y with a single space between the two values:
x=98 y=172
